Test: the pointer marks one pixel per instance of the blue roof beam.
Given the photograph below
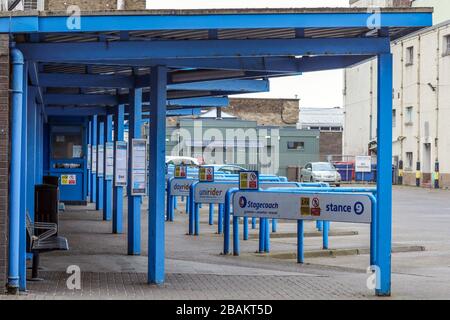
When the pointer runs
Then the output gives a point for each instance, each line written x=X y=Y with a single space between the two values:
x=291 y=18
x=129 y=82
x=136 y=50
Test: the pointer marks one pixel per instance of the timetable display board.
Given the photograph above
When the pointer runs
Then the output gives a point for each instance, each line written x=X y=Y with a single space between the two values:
x=100 y=160
x=94 y=159
x=120 y=174
x=138 y=167
x=109 y=160
x=89 y=155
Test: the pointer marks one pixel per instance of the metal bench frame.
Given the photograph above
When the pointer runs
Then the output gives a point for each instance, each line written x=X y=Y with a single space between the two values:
x=45 y=242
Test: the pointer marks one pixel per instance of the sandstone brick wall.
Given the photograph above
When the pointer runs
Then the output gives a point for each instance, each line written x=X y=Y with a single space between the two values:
x=4 y=157
x=272 y=112
x=330 y=144
x=93 y=5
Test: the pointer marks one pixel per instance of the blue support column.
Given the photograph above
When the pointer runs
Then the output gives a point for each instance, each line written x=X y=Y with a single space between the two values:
x=100 y=176
x=157 y=141
x=89 y=173
x=107 y=192
x=117 y=218
x=16 y=146
x=23 y=188
x=134 y=202
x=384 y=178
x=94 y=126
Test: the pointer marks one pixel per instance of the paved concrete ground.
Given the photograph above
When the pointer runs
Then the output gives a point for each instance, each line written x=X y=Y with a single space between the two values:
x=197 y=270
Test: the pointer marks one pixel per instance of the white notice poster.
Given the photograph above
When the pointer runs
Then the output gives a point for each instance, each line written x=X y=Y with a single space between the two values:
x=94 y=159
x=89 y=153
x=121 y=164
x=109 y=160
x=100 y=159
x=138 y=168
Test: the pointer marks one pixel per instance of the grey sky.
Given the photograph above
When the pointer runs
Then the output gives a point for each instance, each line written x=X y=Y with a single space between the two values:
x=316 y=89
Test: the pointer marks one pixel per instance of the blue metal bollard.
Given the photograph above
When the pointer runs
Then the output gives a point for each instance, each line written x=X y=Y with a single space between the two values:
x=197 y=218
x=236 y=236
x=319 y=225
x=211 y=214
x=300 y=250
x=226 y=232
x=253 y=223
x=220 y=222
x=261 y=235
x=245 y=228
x=175 y=203
x=326 y=228
x=274 y=225
x=188 y=207
x=267 y=233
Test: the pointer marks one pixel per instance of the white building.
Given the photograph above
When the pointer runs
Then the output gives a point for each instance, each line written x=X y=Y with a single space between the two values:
x=421 y=103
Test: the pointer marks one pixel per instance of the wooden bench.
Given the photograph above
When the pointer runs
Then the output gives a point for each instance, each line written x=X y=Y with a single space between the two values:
x=43 y=237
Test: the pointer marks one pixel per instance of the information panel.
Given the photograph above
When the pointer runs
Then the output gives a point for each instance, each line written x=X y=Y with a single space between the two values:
x=363 y=164
x=138 y=167
x=109 y=160
x=89 y=154
x=94 y=159
x=121 y=164
x=100 y=160
x=355 y=208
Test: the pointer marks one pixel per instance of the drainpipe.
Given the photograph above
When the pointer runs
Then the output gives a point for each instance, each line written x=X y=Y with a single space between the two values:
x=419 y=123
x=17 y=62
x=437 y=93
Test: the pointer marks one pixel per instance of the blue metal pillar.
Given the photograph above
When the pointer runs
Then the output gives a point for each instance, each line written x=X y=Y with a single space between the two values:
x=211 y=214
x=23 y=188
x=107 y=192
x=94 y=155
x=117 y=217
x=384 y=178
x=89 y=173
x=16 y=146
x=100 y=175
x=157 y=141
x=134 y=202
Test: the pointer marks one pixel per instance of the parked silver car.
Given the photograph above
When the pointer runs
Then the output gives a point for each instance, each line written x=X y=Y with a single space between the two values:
x=320 y=172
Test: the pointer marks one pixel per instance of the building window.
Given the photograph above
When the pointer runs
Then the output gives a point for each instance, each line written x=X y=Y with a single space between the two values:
x=394 y=118
x=409 y=116
x=446 y=45
x=409 y=160
x=295 y=145
x=409 y=56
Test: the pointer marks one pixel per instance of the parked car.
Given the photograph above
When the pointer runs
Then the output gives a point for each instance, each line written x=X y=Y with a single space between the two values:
x=179 y=160
x=320 y=172
x=227 y=168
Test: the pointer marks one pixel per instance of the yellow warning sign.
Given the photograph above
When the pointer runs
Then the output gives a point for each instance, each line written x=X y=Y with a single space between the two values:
x=305 y=209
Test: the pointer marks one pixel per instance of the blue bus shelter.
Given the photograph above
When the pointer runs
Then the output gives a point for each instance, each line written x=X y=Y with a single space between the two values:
x=76 y=79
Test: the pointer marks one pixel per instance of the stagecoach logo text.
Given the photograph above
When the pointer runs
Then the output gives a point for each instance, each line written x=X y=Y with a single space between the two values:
x=257 y=205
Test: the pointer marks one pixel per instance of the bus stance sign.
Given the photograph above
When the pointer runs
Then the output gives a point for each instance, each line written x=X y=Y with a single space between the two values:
x=351 y=207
